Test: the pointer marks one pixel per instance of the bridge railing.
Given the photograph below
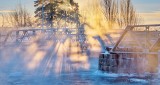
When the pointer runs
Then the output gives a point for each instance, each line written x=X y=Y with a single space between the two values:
x=143 y=37
x=27 y=35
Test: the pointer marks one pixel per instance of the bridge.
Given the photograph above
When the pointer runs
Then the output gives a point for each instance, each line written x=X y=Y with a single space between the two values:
x=138 y=45
x=75 y=37
x=136 y=51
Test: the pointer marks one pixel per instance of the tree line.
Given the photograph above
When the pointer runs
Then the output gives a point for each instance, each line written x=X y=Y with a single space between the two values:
x=65 y=12
x=18 y=17
x=120 y=12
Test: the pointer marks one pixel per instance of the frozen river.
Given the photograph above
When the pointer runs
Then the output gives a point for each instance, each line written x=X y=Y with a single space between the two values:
x=37 y=64
x=20 y=76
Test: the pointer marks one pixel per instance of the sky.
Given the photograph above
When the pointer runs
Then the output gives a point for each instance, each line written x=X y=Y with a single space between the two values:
x=149 y=10
x=11 y=4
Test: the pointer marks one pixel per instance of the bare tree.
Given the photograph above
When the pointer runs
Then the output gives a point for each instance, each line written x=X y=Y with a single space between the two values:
x=21 y=17
x=120 y=12
x=127 y=14
x=2 y=19
x=9 y=19
x=110 y=11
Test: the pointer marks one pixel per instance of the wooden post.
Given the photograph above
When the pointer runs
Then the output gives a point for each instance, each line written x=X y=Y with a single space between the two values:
x=17 y=36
